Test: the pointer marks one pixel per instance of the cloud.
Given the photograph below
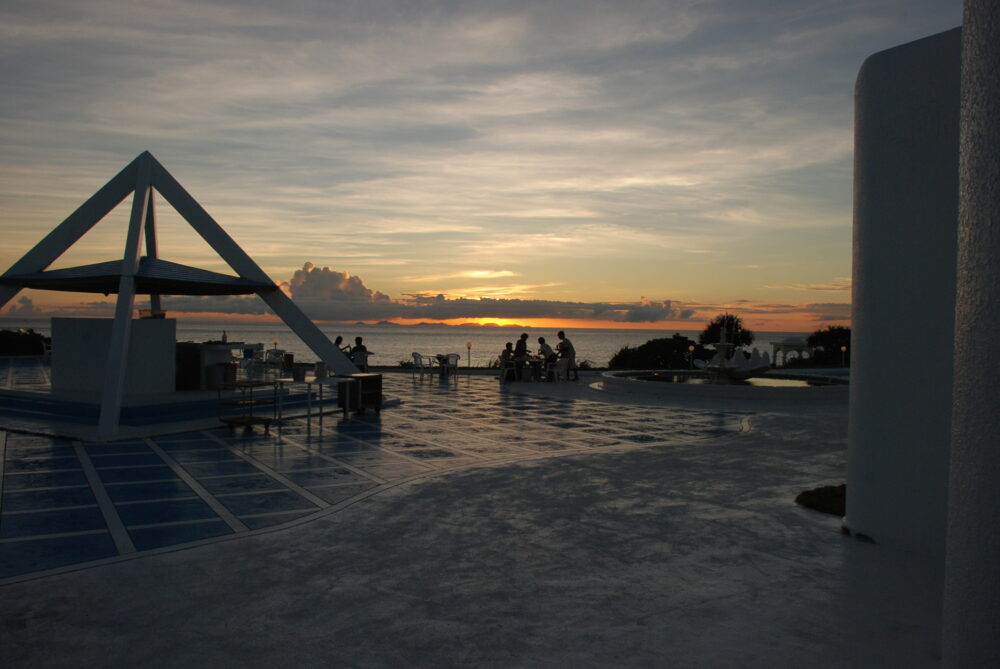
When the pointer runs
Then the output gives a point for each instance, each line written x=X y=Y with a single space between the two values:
x=828 y=312
x=837 y=285
x=24 y=308
x=327 y=294
x=467 y=274
x=316 y=283
x=437 y=138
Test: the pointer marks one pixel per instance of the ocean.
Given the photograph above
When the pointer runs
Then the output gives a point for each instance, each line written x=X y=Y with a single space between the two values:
x=391 y=344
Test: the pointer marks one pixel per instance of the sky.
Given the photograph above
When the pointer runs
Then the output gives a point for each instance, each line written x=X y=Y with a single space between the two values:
x=627 y=163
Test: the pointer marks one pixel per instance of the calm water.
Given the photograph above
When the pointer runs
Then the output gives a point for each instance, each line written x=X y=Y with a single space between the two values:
x=393 y=343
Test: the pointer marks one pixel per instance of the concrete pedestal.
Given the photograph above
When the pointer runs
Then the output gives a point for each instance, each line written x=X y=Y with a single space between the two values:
x=80 y=356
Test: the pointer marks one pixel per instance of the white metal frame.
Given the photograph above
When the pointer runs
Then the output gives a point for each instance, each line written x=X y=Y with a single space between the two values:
x=142 y=176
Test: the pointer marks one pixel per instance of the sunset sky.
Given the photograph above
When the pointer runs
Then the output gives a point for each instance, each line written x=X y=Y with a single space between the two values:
x=623 y=163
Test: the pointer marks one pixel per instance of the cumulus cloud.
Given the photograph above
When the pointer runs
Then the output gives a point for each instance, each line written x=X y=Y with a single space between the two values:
x=323 y=283
x=331 y=295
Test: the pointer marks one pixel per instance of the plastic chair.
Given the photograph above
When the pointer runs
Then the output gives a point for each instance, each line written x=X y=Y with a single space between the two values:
x=507 y=370
x=274 y=358
x=452 y=363
x=422 y=363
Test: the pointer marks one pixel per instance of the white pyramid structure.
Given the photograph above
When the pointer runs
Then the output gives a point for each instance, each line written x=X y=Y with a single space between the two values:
x=138 y=274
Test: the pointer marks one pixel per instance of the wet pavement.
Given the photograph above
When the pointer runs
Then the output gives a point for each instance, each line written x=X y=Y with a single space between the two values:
x=535 y=525
x=67 y=502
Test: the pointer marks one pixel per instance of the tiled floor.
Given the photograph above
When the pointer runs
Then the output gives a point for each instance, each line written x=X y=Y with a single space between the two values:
x=64 y=503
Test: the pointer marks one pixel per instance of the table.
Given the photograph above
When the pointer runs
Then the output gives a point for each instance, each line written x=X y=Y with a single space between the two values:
x=247 y=403
x=536 y=368
x=444 y=369
x=320 y=383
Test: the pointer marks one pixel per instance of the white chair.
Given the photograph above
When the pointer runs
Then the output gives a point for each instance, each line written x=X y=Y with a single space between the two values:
x=562 y=369
x=451 y=364
x=507 y=370
x=274 y=358
x=423 y=363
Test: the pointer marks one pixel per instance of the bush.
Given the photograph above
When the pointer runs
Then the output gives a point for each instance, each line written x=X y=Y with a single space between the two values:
x=672 y=353
x=22 y=342
x=826 y=346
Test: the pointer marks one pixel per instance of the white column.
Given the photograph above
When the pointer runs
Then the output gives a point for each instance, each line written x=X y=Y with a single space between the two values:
x=244 y=265
x=114 y=378
x=972 y=565
x=76 y=225
x=905 y=221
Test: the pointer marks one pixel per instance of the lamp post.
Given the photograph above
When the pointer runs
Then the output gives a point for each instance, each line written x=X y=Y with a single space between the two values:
x=691 y=356
x=843 y=356
x=468 y=346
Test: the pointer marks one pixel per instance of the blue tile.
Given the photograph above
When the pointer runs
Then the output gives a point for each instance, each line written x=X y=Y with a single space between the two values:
x=338 y=493
x=271 y=521
x=24 y=500
x=24 y=557
x=125 y=460
x=205 y=469
x=148 y=513
x=44 y=480
x=203 y=455
x=221 y=486
x=162 y=473
x=33 y=446
x=324 y=476
x=134 y=492
x=266 y=502
x=188 y=445
x=18 y=465
x=169 y=535
x=117 y=448
x=50 y=522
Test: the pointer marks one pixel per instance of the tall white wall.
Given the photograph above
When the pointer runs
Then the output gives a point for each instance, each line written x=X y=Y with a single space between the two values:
x=972 y=567
x=80 y=356
x=905 y=220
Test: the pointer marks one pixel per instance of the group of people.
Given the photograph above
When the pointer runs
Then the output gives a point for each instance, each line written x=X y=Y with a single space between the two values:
x=358 y=354
x=546 y=357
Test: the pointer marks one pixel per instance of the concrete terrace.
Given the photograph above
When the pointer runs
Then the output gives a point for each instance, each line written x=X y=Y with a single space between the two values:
x=473 y=524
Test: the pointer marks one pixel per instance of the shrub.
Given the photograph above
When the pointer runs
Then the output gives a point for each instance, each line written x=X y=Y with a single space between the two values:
x=22 y=342
x=672 y=353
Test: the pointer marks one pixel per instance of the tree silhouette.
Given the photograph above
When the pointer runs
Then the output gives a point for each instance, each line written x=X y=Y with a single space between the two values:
x=735 y=332
x=826 y=345
x=672 y=353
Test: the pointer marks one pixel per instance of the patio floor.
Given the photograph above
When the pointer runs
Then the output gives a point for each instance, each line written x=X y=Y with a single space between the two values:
x=474 y=524
x=65 y=502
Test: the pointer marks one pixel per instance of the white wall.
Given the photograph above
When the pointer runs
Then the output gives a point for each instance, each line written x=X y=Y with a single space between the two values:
x=905 y=221
x=972 y=568
x=80 y=354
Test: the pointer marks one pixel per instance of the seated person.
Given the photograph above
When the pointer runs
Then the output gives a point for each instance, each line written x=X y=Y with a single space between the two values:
x=547 y=356
x=545 y=351
x=507 y=360
x=521 y=355
x=359 y=355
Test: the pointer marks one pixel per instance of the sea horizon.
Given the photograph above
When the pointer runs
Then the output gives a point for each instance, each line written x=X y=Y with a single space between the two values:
x=392 y=343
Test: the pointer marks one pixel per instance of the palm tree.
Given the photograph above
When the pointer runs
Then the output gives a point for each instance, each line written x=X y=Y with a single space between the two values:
x=732 y=326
